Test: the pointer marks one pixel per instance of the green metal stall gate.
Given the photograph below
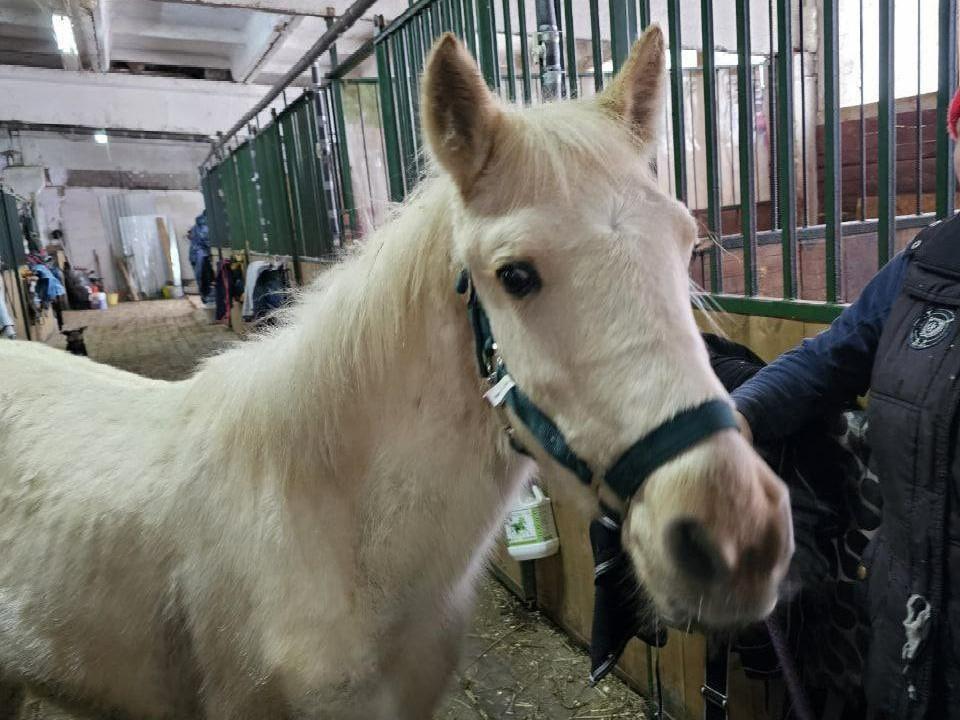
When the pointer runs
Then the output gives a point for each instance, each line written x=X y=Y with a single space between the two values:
x=268 y=194
x=787 y=204
x=495 y=31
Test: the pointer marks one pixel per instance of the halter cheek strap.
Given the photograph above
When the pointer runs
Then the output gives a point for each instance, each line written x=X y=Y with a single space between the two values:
x=628 y=473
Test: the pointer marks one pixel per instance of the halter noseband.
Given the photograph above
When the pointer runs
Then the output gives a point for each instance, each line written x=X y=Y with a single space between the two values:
x=628 y=473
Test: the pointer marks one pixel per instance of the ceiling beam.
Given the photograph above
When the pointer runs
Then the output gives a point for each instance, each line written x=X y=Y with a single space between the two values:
x=284 y=7
x=30 y=58
x=126 y=26
x=65 y=129
x=133 y=102
x=36 y=18
x=170 y=59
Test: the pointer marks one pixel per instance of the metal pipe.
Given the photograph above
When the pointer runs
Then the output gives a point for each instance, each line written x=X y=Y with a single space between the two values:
x=324 y=155
x=524 y=51
x=548 y=36
x=335 y=30
x=595 y=45
x=946 y=181
x=748 y=195
x=833 y=169
x=508 y=50
x=786 y=170
x=887 y=151
x=710 y=110
x=571 y=43
x=676 y=100
x=619 y=33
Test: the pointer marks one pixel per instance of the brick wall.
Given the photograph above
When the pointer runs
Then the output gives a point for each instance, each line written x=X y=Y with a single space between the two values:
x=858 y=265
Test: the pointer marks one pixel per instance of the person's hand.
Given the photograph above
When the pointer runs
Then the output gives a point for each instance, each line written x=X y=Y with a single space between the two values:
x=744 y=427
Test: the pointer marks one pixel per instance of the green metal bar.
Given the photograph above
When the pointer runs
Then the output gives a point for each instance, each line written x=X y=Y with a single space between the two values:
x=446 y=15
x=489 y=64
x=508 y=48
x=343 y=157
x=411 y=44
x=595 y=45
x=404 y=110
x=429 y=35
x=786 y=177
x=458 y=18
x=418 y=57
x=389 y=124
x=289 y=183
x=748 y=190
x=886 y=138
x=619 y=31
x=524 y=52
x=423 y=33
x=338 y=193
x=676 y=99
x=571 y=42
x=470 y=26
x=710 y=108
x=833 y=209
x=632 y=23
x=644 y=14
x=311 y=131
x=946 y=181
x=436 y=19
x=800 y=310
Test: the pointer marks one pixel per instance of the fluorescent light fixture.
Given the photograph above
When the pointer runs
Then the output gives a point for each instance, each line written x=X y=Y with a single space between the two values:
x=63 y=29
x=101 y=138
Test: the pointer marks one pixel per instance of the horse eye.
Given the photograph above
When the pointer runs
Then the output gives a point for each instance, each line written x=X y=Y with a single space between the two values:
x=519 y=278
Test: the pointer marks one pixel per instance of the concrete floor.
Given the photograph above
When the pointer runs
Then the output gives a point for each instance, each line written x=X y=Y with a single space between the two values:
x=516 y=664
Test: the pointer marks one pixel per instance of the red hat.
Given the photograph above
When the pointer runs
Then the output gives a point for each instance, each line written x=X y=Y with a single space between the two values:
x=954 y=115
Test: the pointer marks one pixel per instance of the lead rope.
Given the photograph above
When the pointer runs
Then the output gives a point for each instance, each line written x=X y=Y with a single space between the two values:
x=798 y=697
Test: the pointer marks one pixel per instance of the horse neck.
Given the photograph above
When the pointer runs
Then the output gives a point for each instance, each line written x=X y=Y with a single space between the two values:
x=371 y=392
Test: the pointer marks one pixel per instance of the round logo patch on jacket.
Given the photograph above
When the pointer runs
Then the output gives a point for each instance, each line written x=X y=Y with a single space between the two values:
x=931 y=327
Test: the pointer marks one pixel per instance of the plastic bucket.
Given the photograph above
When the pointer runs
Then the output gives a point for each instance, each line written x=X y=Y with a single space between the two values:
x=530 y=530
x=113 y=299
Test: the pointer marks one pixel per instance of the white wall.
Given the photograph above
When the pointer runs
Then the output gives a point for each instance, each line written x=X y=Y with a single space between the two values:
x=84 y=232
x=73 y=209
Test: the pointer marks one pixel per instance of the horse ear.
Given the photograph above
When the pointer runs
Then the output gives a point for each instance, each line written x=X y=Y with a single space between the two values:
x=636 y=93
x=460 y=116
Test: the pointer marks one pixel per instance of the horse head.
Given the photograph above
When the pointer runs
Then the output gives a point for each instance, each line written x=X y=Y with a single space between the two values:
x=576 y=264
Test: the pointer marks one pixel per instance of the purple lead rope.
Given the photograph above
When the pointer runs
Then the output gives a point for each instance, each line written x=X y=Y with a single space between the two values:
x=797 y=696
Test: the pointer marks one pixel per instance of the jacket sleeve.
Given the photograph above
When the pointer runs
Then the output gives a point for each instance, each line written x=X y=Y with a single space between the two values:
x=832 y=368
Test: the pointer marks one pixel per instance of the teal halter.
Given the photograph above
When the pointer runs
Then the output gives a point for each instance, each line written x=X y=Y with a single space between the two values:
x=628 y=473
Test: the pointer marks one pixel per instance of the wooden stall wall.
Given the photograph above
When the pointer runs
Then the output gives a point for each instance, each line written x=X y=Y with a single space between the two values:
x=564 y=582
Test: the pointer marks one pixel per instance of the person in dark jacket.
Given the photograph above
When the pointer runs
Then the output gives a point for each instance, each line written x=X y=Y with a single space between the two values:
x=899 y=340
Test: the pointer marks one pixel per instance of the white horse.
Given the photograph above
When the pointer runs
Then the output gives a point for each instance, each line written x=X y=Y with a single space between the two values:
x=296 y=531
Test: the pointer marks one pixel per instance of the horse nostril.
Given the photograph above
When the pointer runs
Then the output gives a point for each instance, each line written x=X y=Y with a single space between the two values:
x=690 y=546
x=761 y=558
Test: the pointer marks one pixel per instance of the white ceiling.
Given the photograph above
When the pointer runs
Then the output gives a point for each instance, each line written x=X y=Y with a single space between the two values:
x=249 y=41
